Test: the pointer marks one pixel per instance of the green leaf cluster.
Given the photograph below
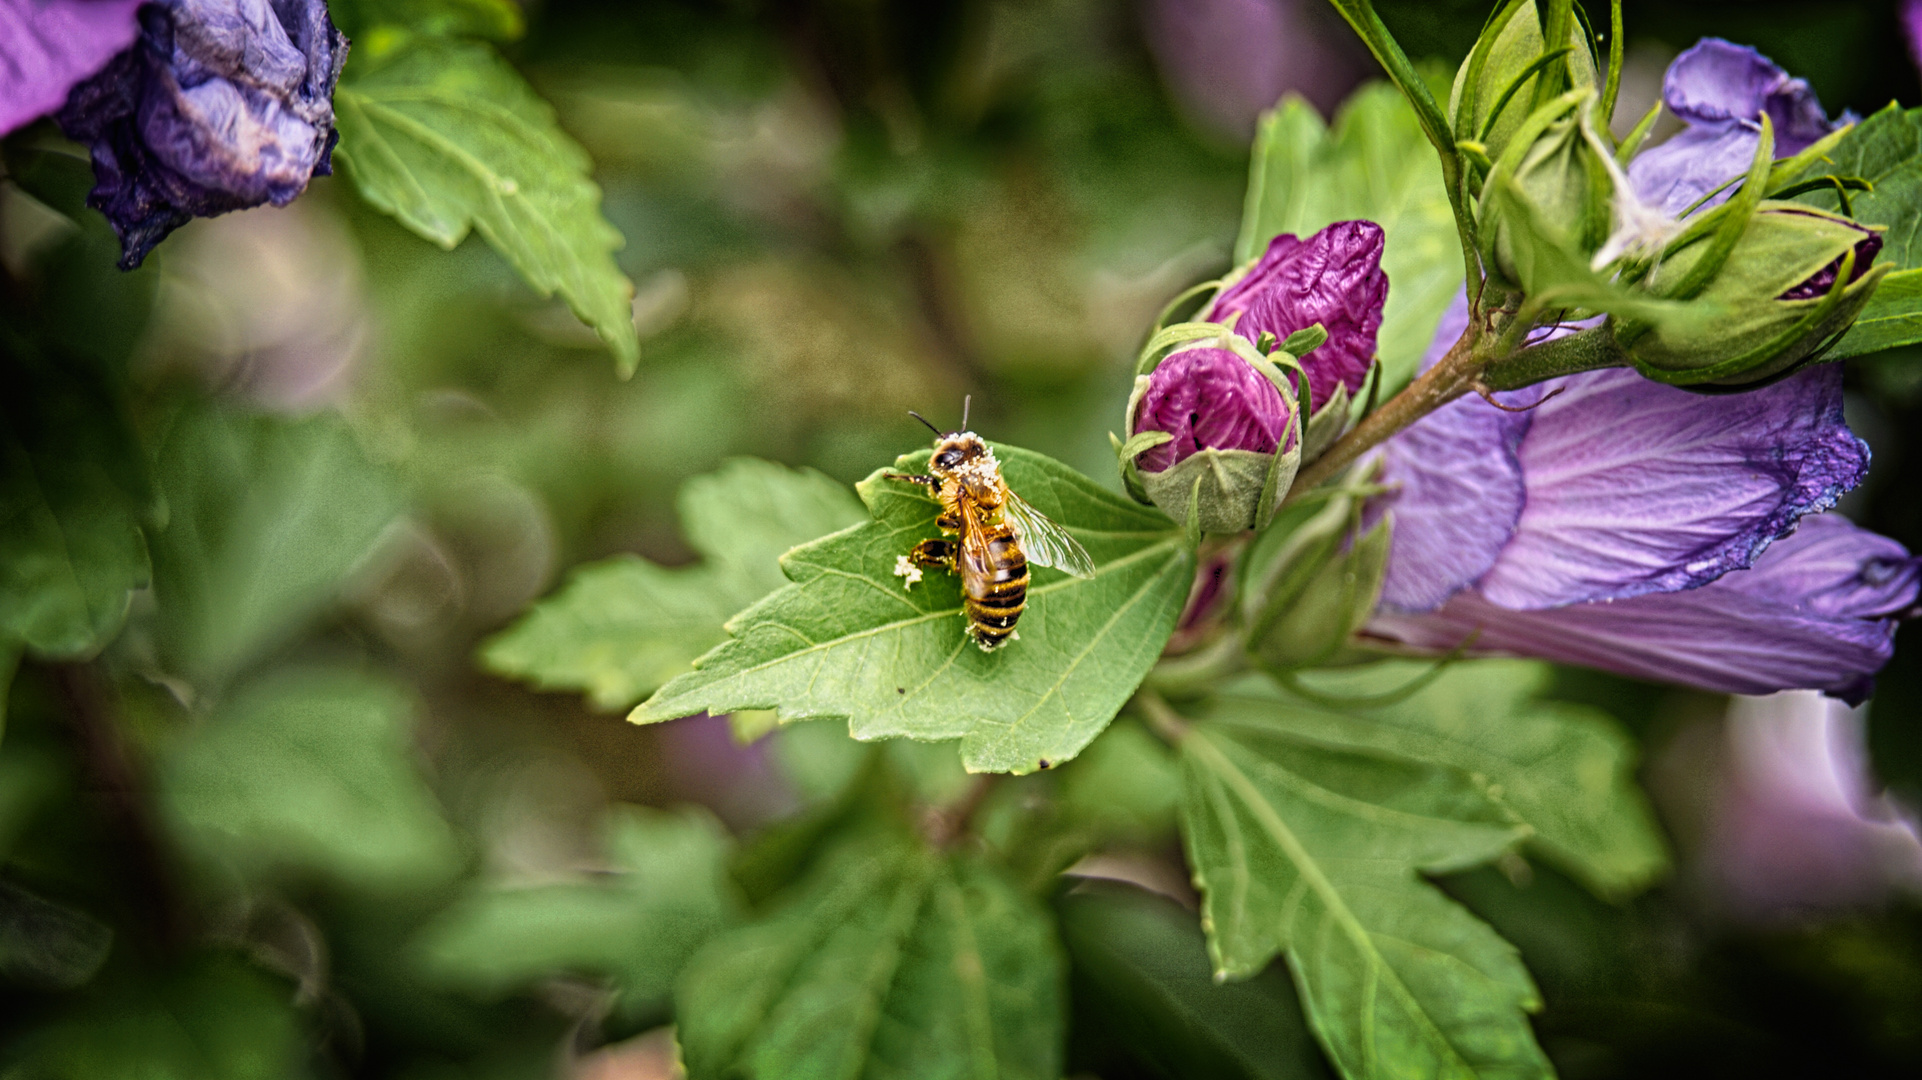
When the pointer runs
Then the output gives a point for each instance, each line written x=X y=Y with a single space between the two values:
x=620 y=628
x=1310 y=820
x=307 y=774
x=265 y=519
x=667 y=894
x=847 y=639
x=890 y=958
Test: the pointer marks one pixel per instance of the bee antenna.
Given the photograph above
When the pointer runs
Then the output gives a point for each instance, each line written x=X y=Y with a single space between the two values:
x=924 y=420
x=966 y=402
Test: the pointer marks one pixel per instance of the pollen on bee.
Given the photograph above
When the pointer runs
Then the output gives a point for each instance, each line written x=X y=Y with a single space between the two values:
x=905 y=568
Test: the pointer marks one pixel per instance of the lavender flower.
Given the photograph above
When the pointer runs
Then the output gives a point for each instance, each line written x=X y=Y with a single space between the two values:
x=1333 y=278
x=1721 y=91
x=220 y=105
x=1208 y=398
x=46 y=46
x=1630 y=526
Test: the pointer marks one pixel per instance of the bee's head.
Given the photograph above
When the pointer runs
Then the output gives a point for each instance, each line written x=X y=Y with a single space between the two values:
x=955 y=449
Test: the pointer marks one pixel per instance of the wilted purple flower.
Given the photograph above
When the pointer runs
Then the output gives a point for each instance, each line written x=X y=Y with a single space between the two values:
x=1645 y=530
x=1333 y=278
x=221 y=104
x=1722 y=90
x=1208 y=398
x=46 y=46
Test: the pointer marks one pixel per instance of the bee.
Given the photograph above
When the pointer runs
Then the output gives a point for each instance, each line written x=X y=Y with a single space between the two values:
x=990 y=535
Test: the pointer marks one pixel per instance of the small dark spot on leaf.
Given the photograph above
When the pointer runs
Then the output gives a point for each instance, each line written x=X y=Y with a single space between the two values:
x=1046 y=764
x=900 y=689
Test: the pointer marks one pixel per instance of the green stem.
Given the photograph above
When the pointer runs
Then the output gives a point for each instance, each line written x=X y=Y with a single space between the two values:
x=1201 y=668
x=1587 y=350
x=1161 y=716
x=1451 y=377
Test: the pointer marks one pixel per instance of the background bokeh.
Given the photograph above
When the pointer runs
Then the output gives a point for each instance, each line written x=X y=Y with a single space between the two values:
x=837 y=210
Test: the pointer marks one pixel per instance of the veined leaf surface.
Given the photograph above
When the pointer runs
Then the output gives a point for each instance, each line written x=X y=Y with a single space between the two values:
x=447 y=136
x=1314 y=852
x=621 y=627
x=1564 y=770
x=847 y=639
x=890 y=960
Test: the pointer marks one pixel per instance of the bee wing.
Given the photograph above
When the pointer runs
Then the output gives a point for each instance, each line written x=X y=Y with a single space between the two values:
x=974 y=563
x=1044 y=542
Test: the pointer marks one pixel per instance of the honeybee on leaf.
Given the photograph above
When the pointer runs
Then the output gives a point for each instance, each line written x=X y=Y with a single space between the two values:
x=990 y=535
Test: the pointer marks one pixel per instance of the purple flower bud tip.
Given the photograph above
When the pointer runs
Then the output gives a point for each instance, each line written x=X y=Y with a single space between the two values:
x=1208 y=398
x=220 y=105
x=1819 y=285
x=1333 y=278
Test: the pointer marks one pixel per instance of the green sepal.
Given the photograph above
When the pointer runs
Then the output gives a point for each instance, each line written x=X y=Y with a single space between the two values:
x=1304 y=341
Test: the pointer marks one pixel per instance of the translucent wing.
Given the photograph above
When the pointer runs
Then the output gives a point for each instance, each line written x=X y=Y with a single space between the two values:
x=1044 y=542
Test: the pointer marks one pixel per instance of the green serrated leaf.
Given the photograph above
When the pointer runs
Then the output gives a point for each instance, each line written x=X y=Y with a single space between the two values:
x=72 y=495
x=1141 y=981
x=310 y=772
x=621 y=628
x=265 y=518
x=637 y=926
x=447 y=136
x=1314 y=852
x=1564 y=770
x=1375 y=163
x=1886 y=151
x=846 y=639
x=888 y=960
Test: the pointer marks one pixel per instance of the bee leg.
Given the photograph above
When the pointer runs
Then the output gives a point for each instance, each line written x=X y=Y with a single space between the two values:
x=932 y=554
x=932 y=483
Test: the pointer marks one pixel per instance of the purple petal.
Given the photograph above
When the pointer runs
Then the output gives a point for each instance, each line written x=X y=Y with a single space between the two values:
x=1209 y=397
x=1461 y=455
x=1634 y=487
x=46 y=46
x=1721 y=91
x=1912 y=29
x=1333 y=278
x=1696 y=161
x=1816 y=612
x=1719 y=83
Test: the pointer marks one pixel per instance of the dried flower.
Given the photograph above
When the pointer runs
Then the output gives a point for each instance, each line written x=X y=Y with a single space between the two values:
x=220 y=105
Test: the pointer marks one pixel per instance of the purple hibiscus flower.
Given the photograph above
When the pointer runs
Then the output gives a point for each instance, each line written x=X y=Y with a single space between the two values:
x=220 y=105
x=46 y=46
x=1634 y=527
x=1722 y=91
x=1333 y=278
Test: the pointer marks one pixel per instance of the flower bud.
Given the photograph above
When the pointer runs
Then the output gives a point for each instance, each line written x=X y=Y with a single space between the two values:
x=1773 y=303
x=1333 y=278
x=220 y=105
x=1232 y=429
x=1552 y=176
x=1494 y=89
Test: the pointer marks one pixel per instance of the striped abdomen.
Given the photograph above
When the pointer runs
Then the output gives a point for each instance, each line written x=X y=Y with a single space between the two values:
x=994 y=585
